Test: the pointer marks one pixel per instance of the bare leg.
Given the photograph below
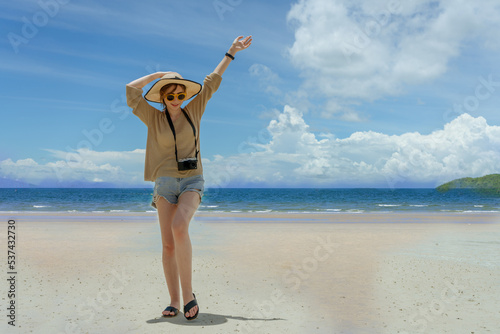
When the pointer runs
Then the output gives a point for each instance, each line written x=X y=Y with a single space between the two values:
x=186 y=208
x=166 y=213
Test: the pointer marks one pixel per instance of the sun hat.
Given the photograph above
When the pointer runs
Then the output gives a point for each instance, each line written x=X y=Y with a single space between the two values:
x=192 y=87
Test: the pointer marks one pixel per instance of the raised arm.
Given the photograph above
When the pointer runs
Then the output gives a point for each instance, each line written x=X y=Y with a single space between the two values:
x=141 y=82
x=238 y=45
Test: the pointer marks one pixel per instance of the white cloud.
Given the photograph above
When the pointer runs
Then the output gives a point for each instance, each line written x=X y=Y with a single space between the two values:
x=268 y=80
x=288 y=154
x=82 y=167
x=84 y=154
x=352 y=51
x=294 y=156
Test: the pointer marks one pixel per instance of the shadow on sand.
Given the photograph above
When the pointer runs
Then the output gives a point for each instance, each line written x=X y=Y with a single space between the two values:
x=205 y=319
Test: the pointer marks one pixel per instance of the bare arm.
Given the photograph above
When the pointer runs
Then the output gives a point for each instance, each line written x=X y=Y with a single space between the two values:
x=238 y=45
x=141 y=82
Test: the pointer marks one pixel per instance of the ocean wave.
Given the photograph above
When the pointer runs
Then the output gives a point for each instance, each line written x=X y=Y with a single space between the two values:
x=332 y=201
x=479 y=211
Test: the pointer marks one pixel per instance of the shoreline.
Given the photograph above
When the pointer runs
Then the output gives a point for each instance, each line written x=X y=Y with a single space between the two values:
x=337 y=217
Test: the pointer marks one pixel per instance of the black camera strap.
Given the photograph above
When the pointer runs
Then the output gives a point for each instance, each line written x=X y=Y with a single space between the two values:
x=173 y=131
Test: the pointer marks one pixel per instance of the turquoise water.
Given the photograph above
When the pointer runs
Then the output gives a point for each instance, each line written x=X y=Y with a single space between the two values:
x=253 y=200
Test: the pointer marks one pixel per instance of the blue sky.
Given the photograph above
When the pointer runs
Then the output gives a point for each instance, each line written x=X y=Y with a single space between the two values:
x=330 y=94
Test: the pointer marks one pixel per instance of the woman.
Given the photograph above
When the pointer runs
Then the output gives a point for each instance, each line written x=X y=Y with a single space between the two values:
x=174 y=164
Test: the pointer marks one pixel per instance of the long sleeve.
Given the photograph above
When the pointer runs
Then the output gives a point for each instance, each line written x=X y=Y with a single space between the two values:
x=141 y=108
x=210 y=86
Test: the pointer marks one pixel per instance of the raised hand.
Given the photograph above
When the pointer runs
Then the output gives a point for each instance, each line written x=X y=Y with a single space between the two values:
x=240 y=44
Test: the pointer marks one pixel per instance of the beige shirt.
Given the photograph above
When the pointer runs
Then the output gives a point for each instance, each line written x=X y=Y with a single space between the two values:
x=160 y=149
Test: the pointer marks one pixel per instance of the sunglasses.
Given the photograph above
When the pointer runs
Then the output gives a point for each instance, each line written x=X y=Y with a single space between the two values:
x=180 y=96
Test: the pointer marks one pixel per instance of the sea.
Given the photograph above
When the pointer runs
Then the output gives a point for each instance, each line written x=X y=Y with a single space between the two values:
x=289 y=200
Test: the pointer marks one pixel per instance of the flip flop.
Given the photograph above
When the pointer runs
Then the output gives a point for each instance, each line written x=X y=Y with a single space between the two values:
x=189 y=306
x=170 y=309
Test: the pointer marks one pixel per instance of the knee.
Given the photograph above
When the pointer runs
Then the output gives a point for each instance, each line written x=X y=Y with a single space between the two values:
x=168 y=249
x=180 y=229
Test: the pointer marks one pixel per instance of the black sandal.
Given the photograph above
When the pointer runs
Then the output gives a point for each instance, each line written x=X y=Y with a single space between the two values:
x=170 y=309
x=189 y=306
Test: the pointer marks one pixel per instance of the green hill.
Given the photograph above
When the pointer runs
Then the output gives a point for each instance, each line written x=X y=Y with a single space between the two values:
x=489 y=183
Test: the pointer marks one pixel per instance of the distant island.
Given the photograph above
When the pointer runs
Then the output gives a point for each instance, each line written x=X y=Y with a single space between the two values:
x=489 y=183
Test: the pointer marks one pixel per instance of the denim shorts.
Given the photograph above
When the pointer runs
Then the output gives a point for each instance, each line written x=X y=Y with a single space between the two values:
x=171 y=188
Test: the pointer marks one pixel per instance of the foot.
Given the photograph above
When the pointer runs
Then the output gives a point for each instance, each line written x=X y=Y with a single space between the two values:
x=191 y=309
x=171 y=311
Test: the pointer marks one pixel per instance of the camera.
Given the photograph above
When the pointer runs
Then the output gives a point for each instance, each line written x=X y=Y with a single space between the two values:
x=187 y=164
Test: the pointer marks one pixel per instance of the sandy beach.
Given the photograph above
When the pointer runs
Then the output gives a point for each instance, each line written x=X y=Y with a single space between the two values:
x=260 y=273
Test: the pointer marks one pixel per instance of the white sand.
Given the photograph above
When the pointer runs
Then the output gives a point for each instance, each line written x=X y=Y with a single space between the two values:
x=299 y=274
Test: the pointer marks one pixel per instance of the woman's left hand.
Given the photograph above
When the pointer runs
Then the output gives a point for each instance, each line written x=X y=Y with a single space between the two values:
x=240 y=44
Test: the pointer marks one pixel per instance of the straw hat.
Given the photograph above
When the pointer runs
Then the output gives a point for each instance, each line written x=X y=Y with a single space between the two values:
x=192 y=88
